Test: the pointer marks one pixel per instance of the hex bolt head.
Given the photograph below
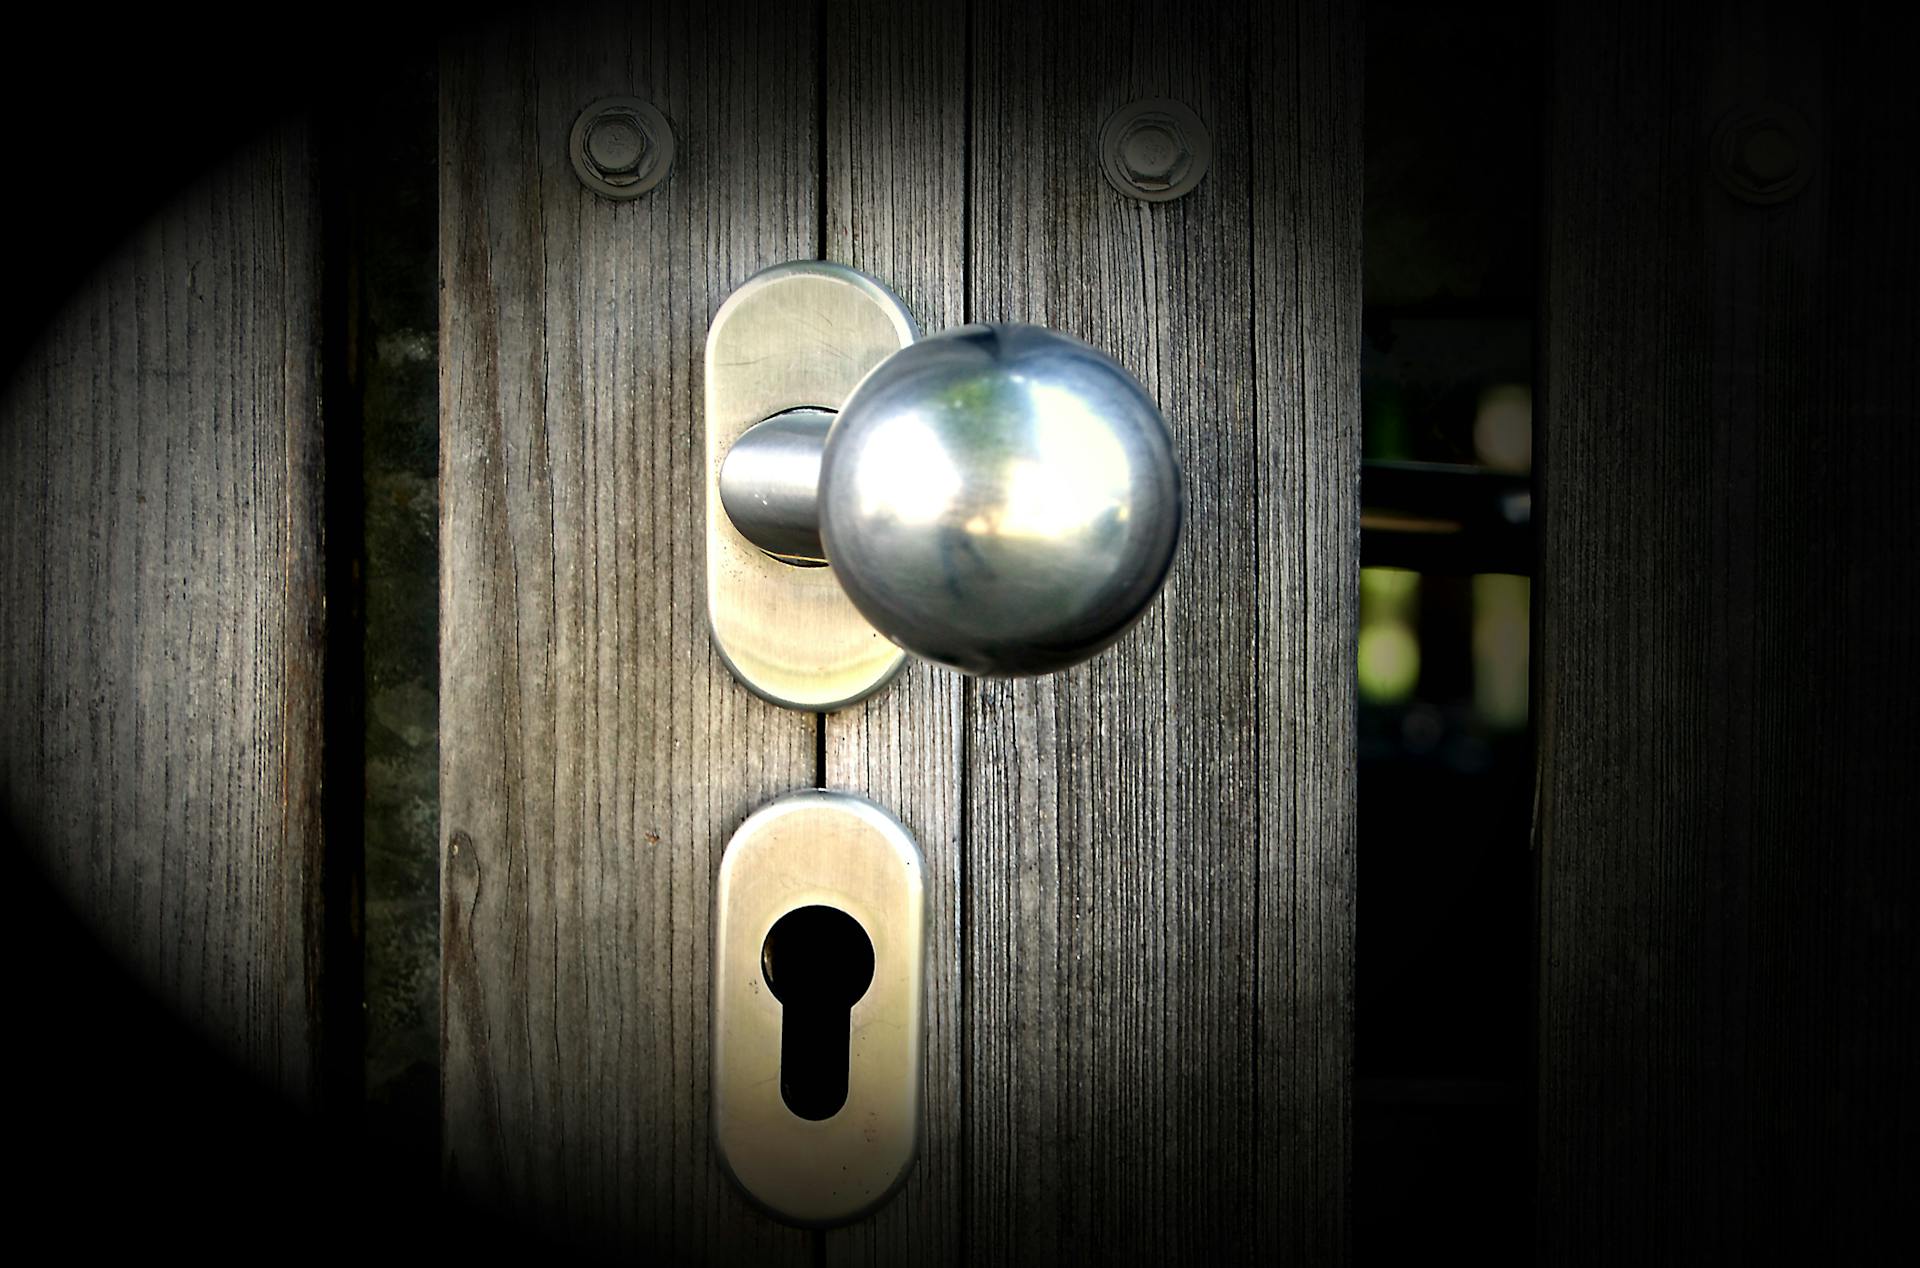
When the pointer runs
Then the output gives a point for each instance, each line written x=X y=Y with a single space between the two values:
x=1763 y=154
x=615 y=145
x=621 y=147
x=1155 y=150
x=1769 y=156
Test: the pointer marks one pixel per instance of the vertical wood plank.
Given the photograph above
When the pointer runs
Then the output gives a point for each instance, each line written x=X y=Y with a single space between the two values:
x=1306 y=137
x=1160 y=842
x=895 y=96
x=161 y=612
x=596 y=754
x=1726 y=803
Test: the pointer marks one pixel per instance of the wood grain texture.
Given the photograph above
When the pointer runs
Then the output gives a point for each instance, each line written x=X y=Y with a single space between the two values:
x=1140 y=872
x=1726 y=804
x=895 y=101
x=1159 y=844
x=161 y=614
x=595 y=753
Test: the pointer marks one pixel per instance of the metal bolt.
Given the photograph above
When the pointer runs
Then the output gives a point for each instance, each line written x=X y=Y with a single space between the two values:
x=615 y=145
x=1155 y=150
x=1762 y=154
x=621 y=147
x=1770 y=156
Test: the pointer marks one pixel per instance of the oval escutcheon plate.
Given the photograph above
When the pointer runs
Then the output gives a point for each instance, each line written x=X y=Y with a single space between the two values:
x=792 y=336
x=811 y=1159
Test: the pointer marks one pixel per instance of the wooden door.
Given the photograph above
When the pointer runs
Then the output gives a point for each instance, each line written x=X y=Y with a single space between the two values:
x=1726 y=805
x=1140 y=871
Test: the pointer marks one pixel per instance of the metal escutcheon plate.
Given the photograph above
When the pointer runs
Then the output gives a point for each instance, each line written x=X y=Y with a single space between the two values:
x=792 y=336
x=819 y=849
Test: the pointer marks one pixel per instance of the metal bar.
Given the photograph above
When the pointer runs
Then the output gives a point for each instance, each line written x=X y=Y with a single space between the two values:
x=770 y=484
x=1439 y=517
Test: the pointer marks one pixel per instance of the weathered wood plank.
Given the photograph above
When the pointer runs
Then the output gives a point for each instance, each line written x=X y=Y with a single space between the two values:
x=1308 y=175
x=1159 y=844
x=895 y=201
x=596 y=754
x=1726 y=804
x=161 y=613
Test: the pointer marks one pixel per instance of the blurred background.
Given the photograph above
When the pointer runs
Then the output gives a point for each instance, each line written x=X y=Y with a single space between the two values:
x=1443 y=1065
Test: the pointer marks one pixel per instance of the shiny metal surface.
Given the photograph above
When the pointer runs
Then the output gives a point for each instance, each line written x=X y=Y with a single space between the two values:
x=791 y=336
x=770 y=484
x=832 y=849
x=1000 y=499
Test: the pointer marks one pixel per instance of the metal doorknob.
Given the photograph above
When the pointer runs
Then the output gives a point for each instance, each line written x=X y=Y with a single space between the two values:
x=1001 y=500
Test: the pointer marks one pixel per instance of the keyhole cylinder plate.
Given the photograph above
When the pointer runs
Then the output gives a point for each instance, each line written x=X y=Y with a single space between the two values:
x=839 y=852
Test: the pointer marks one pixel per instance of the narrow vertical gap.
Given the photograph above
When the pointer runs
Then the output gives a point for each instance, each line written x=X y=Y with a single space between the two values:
x=1298 y=1215
x=1542 y=510
x=819 y=750
x=383 y=429
x=821 y=64
x=1261 y=557
x=963 y=881
x=964 y=747
x=342 y=977
x=966 y=167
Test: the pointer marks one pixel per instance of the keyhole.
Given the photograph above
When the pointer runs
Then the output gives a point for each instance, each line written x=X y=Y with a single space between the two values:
x=818 y=962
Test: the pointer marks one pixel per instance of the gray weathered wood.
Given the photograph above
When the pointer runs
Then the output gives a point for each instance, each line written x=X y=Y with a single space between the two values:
x=895 y=200
x=161 y=612
x=1726 y=806
x=1159 y=844
x=596 y=754
x=1140 y=873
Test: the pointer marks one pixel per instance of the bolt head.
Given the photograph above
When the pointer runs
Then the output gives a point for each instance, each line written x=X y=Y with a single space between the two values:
x=1762 y=154
x=616 y=143
x=1769 y=155
x=621 y=147
x=1154 y=150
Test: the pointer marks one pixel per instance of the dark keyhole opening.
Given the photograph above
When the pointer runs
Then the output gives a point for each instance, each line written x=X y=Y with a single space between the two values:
x=818 y=962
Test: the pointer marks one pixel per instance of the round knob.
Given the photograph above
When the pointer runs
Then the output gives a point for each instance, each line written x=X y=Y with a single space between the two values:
x=1000 y=499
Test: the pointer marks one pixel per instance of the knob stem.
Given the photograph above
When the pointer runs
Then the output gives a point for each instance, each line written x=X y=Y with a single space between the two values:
x=770 y=484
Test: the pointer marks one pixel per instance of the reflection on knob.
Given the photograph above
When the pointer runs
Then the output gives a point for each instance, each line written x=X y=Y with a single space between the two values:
x=1000 y=499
